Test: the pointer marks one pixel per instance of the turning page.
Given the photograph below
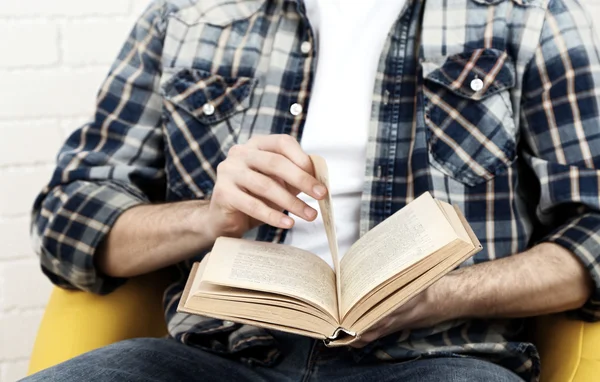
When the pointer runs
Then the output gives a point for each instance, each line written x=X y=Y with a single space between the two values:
x=273 y=268
x=326 y=207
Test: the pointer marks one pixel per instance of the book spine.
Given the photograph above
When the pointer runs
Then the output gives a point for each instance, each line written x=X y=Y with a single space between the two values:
x=340 y=334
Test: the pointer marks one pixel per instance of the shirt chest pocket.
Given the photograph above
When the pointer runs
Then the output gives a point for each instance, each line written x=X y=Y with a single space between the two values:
x=203 y=118
x=471 y=132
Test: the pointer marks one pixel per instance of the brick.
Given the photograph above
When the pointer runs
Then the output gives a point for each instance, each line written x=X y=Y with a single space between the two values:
x=14 y=371
x=14 y=235
x=94 y=42
x=25 y=286
x=37 y=141
x=36 y=45
x=20 y=187
x=49 y=93
x=17 y=334
x=63 y=7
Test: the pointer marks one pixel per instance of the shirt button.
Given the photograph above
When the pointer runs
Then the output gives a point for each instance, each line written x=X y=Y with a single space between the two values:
x=305 y=47
x=476 y=84
x=208 y=109
x=296 y=109
x=228 y=324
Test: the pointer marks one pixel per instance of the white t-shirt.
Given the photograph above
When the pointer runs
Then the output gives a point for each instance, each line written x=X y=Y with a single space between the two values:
x=350 y=36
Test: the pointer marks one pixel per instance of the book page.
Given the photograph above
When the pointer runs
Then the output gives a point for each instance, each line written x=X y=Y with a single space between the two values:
x=326 y=207
x=403 y=239
x=227 y=303
x=454 y=220
x=273 y=268
x=445 y=260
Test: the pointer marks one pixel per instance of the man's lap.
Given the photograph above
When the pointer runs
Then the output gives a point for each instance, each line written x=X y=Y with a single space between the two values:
x=143 y=359
x=147 y=359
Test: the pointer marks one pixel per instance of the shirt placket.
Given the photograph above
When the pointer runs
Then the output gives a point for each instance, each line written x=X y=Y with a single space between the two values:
x=378 y=192
x=305 y=61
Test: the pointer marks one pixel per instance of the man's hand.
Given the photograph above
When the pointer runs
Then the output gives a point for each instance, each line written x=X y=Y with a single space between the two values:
x=258 y=181
x=423 y=310
x=545 y=279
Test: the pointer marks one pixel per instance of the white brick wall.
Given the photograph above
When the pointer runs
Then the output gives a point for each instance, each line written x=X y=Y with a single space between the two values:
x=50 y=70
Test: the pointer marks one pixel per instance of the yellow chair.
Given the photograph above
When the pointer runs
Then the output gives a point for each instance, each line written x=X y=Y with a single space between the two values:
x=77 y=322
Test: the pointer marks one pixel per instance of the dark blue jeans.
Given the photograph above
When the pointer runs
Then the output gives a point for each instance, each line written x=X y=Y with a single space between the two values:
x=151 y=359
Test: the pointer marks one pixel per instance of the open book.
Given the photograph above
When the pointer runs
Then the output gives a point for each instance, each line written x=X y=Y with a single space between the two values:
x=284 y=288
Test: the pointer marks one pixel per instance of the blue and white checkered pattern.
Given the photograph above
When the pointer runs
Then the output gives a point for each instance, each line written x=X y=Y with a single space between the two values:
x=517 y=150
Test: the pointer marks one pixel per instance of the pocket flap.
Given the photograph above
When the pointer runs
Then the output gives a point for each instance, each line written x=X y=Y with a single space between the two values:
x=475 y=75
x=209 y=97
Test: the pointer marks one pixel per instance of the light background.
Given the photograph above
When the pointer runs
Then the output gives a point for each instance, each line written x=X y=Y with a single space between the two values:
x=53 y=56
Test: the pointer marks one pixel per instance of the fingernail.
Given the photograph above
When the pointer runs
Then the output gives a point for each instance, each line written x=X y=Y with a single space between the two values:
x=309 y=212
x=320 y=190
x=287 y=221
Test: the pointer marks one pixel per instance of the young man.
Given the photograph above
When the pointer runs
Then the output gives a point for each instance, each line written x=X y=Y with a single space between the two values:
x=203 y=129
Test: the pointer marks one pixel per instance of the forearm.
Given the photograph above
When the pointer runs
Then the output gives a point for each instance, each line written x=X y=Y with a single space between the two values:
x=545 y=279
x=150 y=237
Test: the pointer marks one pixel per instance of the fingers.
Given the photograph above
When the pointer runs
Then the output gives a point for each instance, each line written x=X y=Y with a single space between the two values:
x=276 y=165
x=279 y=165
x=258 y=196
x=260 y=179
x=257 y=209
x=270 y=190
x=285 y=145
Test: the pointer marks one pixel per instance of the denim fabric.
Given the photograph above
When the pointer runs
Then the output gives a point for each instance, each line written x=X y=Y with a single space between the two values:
x=151 y=359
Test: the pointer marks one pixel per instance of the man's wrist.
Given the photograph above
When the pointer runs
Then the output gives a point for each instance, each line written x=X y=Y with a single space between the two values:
x=447 y=298
x=197 y=221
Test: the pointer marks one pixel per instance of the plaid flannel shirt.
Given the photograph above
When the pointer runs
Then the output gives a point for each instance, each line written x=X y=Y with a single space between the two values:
x=518 y=156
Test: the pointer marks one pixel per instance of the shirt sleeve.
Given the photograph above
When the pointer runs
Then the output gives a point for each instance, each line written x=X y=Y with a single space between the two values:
x=561 y=135
x=107 y=166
